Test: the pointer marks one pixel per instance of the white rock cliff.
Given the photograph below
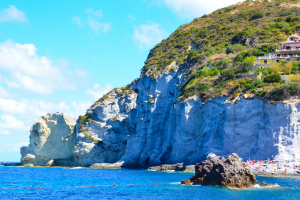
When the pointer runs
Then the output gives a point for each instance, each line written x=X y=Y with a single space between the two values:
x=51 y=141
x=150 y=127
x=144 y=125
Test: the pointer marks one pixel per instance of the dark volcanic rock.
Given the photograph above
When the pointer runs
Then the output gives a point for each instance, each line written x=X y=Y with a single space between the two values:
x=230 y=172
x=176 y=167
x=264 y=184
x=3 y=163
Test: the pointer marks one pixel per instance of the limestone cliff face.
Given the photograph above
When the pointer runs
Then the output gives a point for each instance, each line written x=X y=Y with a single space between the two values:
x=103 y=139
x=150 y=127
x=144 y=125
x=51 y=141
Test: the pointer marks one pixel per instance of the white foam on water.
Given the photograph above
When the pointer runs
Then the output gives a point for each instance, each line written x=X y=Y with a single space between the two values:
x=175 y=183
x=76 y=168
x=270 y=186
x=171 y=171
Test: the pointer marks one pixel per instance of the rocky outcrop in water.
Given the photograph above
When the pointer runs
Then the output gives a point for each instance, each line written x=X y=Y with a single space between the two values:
x=230 y=172
x=51 y=141
x=176 y=167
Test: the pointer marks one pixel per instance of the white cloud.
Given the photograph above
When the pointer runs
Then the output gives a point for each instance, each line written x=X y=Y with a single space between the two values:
x=15 y=146
x=148 y=35
x=30 y=72
x=19 y=144
x=96 y=13
x=11 y=122
x=196 y=8
x=3 y=93
x=12 y=14
x=98 y=91
x=93 y=21
x=12 y=106
x=5 y=132
x=81 y=107
x=96 y=26
x=77 y=20
x=33 y=108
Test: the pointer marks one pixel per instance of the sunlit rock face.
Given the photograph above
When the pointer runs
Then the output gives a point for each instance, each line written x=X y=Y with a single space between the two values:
x=145 y=125
x=111 y=122
x=150 y=127
x=51 y=141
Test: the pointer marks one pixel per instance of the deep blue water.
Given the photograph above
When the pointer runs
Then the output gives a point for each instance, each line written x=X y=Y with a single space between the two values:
x=143 y=185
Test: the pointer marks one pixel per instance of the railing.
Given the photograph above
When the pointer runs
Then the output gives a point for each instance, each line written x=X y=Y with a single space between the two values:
x=292 y=49
x=276 y=57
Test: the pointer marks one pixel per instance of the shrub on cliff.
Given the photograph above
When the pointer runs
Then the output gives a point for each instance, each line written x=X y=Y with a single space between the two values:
x=273 y=78
x=210 y=72
x=265 y=71
x=285 y=90
x=257 y=15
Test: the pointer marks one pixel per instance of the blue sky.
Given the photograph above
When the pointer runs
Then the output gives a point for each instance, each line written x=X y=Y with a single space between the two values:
x=61 y=56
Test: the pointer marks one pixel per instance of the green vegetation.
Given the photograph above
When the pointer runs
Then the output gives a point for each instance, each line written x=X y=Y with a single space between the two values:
x=285 y=90
x=273 y=78
x=83 y=120
x=230 y=39
x=211 y=36
x=116 y=118
x=210 y=72
x=151 y=101
x=98 y=142
x=124 y=92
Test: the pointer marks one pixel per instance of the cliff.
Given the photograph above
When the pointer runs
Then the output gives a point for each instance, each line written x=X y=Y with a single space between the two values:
x=182 y=109
x=51 y=141
x=165 y=131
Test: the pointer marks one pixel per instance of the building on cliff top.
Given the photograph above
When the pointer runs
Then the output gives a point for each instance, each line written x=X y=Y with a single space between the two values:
x=288 y=51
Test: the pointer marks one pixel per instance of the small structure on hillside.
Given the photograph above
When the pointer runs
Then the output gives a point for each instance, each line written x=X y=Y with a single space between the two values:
x=288 y=51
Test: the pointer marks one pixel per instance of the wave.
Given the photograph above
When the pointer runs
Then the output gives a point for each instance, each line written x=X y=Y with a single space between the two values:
x=269 y=186
x=76 y=168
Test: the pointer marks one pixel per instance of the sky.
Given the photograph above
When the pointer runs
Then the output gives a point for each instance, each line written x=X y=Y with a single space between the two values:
x=61 y=56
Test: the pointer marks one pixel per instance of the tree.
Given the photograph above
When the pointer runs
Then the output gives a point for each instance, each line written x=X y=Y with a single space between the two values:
x=286 y=68
x=222 y=64
x=257 y=15
x=251 y=59
x=273 y=78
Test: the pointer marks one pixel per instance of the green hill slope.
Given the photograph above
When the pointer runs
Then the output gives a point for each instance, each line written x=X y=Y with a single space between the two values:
x=228 y=39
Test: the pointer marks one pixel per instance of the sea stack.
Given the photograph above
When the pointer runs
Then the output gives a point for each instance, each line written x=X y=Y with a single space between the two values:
x=231 y=173
x=51 y=141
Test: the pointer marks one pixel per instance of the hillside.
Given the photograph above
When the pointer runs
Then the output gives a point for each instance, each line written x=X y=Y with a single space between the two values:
x=228 y=39
x=185 y=105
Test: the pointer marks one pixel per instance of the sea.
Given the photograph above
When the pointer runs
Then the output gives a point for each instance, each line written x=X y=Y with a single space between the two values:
x=81 y=183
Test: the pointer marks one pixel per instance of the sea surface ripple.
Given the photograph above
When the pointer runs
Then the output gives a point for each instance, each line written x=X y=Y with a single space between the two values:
x=44 y=183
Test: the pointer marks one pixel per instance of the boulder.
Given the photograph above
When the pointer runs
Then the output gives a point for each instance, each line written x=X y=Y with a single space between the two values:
x=167 y=167
x=189 y=168
x=3 y=163
x=179 y=167
x=107 y=166
x=28 y=165
x=264 y=184
x=230 y=173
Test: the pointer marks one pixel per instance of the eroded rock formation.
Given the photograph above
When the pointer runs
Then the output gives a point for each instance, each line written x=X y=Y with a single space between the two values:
x=51 y=141
x=230 y=172
x=149 y=127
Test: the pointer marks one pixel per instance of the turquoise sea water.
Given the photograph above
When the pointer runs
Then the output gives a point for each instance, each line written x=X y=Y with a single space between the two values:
x=130 y=184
